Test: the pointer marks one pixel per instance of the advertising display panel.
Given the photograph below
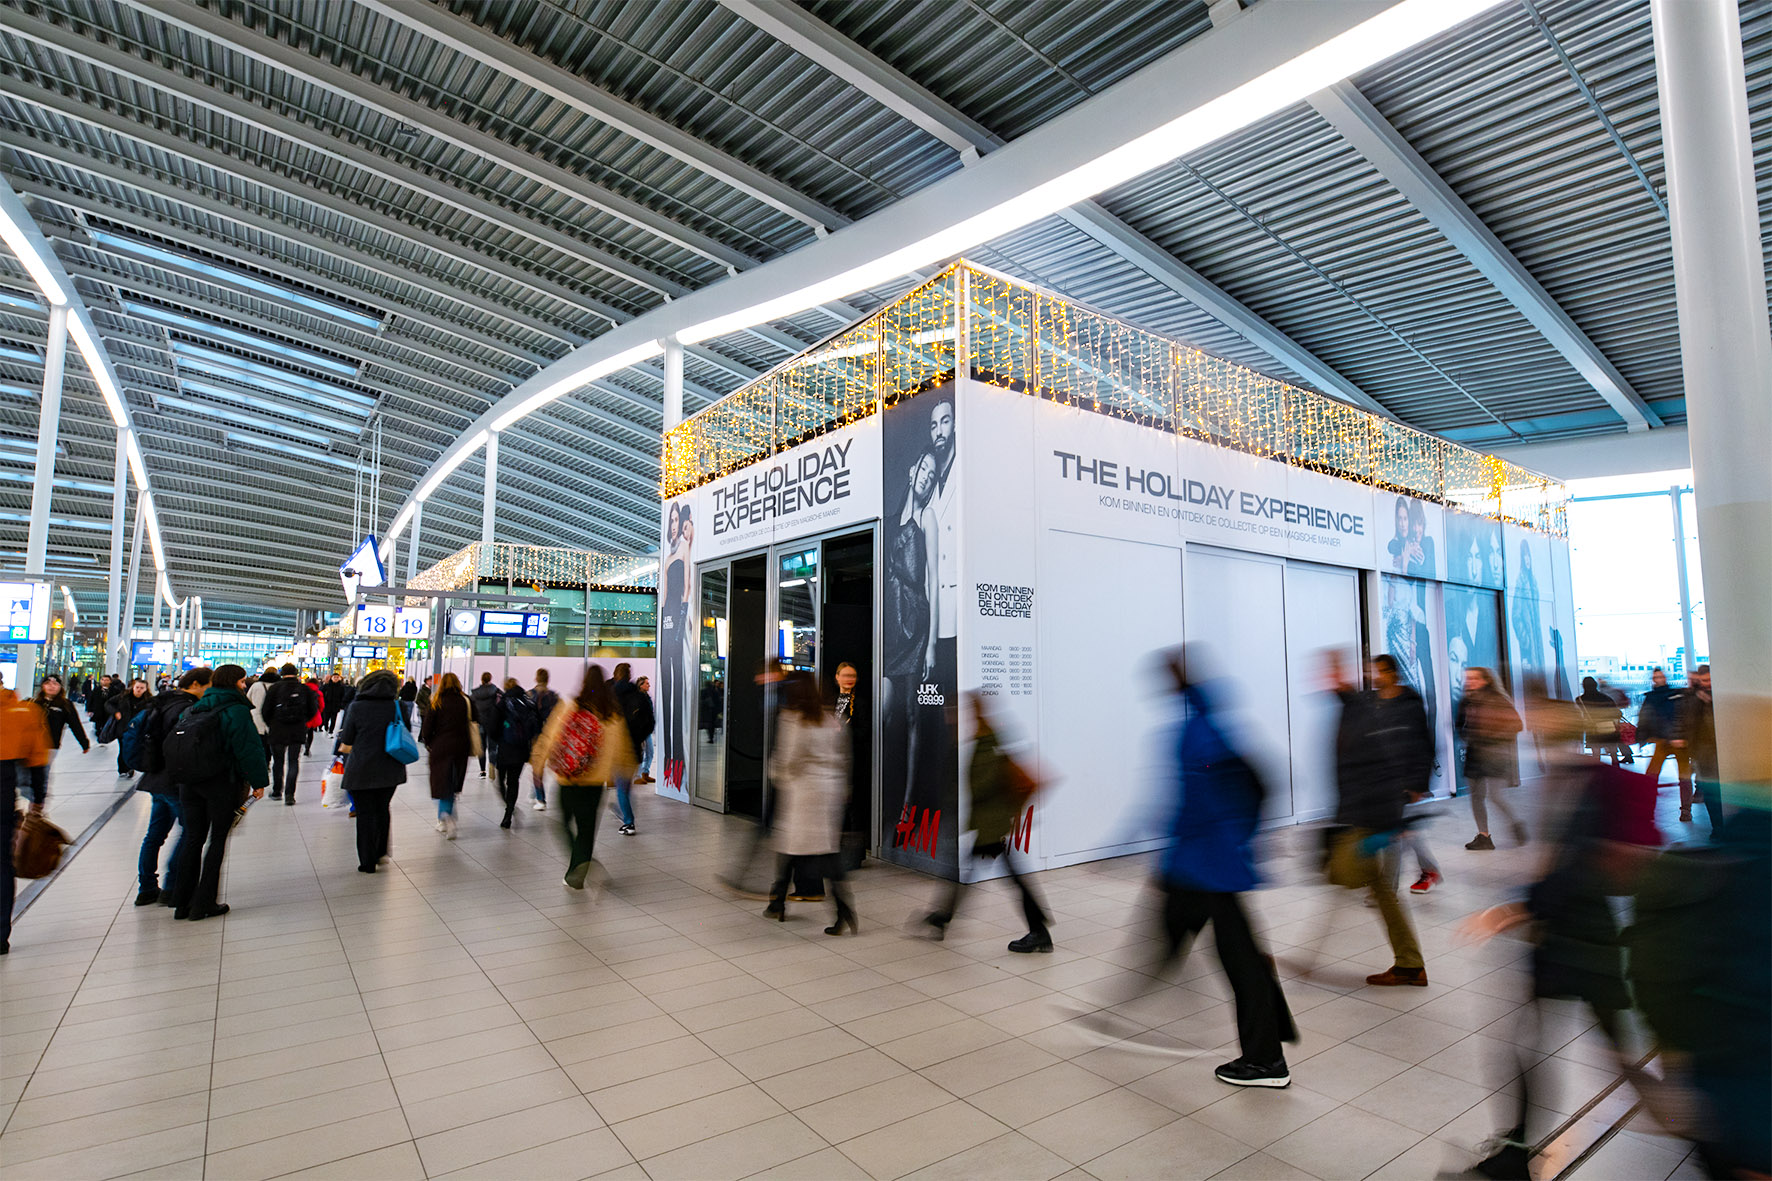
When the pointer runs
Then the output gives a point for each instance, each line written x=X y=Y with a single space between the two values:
x=146 y=652
x=27 y=612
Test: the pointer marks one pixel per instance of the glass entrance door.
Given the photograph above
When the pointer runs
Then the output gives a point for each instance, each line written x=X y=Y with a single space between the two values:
x=709 y=789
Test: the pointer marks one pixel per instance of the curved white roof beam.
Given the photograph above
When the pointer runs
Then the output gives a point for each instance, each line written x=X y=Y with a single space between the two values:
x=19 y=231
x=1276 y=54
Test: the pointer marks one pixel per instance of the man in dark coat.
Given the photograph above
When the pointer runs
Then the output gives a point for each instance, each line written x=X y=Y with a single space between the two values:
x=209 y=795
x=636 y=711
x=333 y=695
x=169 y=705
x=484 y=699
x=288 y=706
x=1383 y=754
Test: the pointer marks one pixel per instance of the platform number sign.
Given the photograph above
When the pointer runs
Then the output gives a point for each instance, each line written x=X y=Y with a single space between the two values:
x=375 y=622
x=412 y=623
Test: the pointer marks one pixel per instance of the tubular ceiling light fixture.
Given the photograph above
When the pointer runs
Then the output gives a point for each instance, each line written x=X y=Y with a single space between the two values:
x=579 y=380
x=19 y=243
x=136 y=466
x=95 y=365
x=450 y=464
x=18 y=301
x=1390 y=32
x=251 y=422
x=264 y=385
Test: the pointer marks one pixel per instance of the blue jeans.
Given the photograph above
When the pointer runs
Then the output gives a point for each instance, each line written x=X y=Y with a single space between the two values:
x=645 y=757
x=446 y=807
x=166 y=813
x=623 y=803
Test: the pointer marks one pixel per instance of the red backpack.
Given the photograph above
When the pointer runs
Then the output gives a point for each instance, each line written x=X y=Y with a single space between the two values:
x=577 y=746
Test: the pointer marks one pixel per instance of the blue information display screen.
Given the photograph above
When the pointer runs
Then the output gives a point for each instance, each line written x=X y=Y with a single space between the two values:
x=527 y=624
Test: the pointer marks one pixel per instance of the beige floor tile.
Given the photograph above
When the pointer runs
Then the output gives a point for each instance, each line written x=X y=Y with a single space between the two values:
x=845 y=1117
x=1258 y=1116
x=486 y=1101
x=698 y=1119
x=625 y=1101
x=1345 y=1143
x=396 y=1162
x=1010 y=1157
x=21 y=1147
x=1259 y=1166
x=741 y=1152
x=1035 y=1096
x=985 y=1068
x=589 y=1154
x=1098 y=1125
x=32 y=1112
x=922 y=1140
x=825 y=1080
x=827 y=1164
x=473 y=1143
x=594 y=1074
x=456 y=1077
x=1183 y=1149
x=113 y=1158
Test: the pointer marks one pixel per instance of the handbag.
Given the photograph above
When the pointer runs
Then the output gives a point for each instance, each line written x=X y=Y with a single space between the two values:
x=401 y=746
x=1627 y=733
x=332 y=784
x=37 y=846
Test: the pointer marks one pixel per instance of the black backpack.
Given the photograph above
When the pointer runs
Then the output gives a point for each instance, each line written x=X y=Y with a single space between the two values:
x=196 y=750
x=521 y=727
x=291 y=708
x=143 y=744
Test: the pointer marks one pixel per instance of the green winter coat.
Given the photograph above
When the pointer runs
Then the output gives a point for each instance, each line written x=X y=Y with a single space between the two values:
x=237 y=727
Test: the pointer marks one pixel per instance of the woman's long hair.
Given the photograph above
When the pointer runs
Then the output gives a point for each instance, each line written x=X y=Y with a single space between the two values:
x=800 y=696
x=448 y=685
x=596 y=694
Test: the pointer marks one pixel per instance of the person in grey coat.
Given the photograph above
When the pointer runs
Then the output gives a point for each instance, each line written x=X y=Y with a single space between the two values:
x=809 y=769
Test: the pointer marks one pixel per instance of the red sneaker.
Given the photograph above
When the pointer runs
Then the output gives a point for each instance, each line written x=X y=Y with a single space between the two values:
x=1427 y=881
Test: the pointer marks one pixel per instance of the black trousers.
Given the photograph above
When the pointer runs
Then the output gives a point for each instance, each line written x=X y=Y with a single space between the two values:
x=1264 y=1020
x=509 y=786
x=819 y=867
x=208 y=813
x=8 y=884
x=1030 y=902
x=285 y=764
x=372 y=804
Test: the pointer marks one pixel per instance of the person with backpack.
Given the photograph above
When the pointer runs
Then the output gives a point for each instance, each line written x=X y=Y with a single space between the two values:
x=372 y=774
x=318 y=718
x=286 y=706
x=96 y=698
x=149 y=757
x=636 y=713
x=121 y=711
x=255 y=689
x=1000 y=792
x=546 y=702
x=484 y=699
x=585 y=744
x=449 y=734
x=809 y=767
x=1383 y=755
x=516 y=728
x=213 y=752
x=60 y=716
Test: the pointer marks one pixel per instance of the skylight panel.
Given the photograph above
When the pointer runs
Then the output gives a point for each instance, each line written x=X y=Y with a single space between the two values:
x=274 y=407
x=245 y=339
x=290 y=450
x=235 y=418
x=212 y=359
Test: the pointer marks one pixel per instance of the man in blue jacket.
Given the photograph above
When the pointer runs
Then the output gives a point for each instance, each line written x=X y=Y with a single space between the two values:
x=1208 y=864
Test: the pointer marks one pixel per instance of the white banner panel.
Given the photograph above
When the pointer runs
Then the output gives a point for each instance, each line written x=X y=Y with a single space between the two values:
x=823 y=484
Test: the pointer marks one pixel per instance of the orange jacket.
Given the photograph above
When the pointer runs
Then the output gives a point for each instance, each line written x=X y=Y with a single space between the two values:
x=24 y=735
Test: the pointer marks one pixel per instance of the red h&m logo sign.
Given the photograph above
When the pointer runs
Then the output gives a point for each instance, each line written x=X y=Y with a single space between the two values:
x=1023 y=833
x=917 y=829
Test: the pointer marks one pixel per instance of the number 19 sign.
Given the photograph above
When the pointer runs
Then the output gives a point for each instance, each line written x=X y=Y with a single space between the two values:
x=412 y=623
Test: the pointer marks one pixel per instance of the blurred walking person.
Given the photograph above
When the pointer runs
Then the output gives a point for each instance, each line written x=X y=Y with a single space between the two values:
x=215 y=754
x=1205 y=870
x=372 y=775
x=1661 y=722
x=546 y=702
x=1601 y=719
x=636 y=712
x=484 y=699
x=1383 y=754
x=1489 y=728
x=643 y=775
x=809 y=767
x=517 y=728
x=1000 y=792
x=449 y=734
x=585 y=744
x=24 y=742
x=1701 y=730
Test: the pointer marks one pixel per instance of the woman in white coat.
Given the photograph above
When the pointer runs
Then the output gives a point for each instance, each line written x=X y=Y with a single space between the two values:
x=809 y=769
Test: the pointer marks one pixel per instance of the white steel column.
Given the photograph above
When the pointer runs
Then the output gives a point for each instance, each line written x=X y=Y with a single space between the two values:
x=489 y=503
x=1726 y=353
x=49 y=419
x=157 y=605
x=673 y=383
x=418 y=520
x=135 y=569
x=119 y=501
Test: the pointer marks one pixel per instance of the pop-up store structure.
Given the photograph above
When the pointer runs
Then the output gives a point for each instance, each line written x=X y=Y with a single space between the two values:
x=987 y=488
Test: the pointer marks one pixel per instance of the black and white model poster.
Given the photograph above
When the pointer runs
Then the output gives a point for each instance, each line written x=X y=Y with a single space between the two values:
x=919 y=774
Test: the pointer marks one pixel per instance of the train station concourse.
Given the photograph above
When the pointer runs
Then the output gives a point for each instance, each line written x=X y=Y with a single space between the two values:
x=977 y=589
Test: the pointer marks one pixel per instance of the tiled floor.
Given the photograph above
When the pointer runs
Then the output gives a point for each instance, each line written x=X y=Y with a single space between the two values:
x=463 y=1014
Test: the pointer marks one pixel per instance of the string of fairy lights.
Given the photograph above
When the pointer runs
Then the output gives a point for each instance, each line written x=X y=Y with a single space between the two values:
x=536 y=565
x=1023 y=338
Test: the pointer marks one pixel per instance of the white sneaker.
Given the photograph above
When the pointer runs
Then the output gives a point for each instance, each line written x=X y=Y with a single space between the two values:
x=440 y=825
x=449 y=833
x=540 y=806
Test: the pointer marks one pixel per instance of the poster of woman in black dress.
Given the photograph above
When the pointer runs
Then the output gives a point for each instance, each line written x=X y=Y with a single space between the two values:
x=1412 y=564
x=675 y=646
x=919 y=770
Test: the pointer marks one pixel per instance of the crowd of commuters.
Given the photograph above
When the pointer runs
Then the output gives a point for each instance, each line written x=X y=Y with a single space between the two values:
x=208 y=744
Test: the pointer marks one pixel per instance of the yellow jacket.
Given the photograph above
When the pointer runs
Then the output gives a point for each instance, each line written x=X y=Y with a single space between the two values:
x=615 y=753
